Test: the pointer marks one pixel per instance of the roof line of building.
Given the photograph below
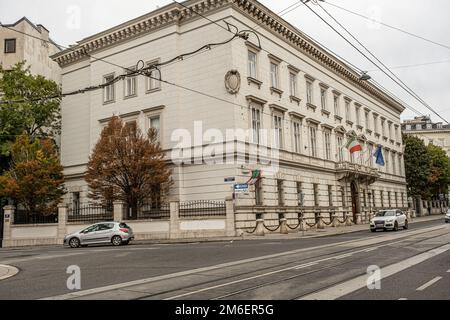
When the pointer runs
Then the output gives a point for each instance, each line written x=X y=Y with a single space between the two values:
x=176 y=13
x=36 y=27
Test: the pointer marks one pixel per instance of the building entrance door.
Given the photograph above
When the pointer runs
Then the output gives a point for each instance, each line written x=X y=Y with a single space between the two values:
x=355 y=200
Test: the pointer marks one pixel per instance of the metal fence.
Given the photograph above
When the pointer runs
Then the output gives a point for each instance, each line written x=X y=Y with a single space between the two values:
x=202 y=208
x=90 y=213
x=22 y=217
x=148 y=211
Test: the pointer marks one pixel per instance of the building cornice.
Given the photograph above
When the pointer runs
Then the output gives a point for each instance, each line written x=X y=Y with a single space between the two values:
x=175 y=14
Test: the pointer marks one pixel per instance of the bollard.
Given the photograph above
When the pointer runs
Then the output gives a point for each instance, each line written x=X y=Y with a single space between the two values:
x=320 y=224
x=283 y=226
x=358 y=219
x=302 y=225
x=259 y=227
x=335 y=222
x=348 y=222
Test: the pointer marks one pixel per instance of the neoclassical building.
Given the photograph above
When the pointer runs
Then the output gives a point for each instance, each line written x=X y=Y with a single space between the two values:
x=277 y=84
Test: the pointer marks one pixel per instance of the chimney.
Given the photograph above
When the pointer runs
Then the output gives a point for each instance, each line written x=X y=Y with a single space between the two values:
x=44 y=32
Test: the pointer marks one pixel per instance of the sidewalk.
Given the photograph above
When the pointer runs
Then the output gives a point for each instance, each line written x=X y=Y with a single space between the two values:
x=7 y=271
x=313 y=233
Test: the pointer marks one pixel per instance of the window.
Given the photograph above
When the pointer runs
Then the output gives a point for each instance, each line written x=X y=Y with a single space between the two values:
x=396 y=200
x=408 y=127
x=389 y=199
x=109 y=89
x=340 y=144
x=323 y=98
x=76 y=202
x=347 y=110
x=370 y=149
x=390 y=131
x=327 y=135
x=293 y=84
x=309 y=92
x=153 y=83
x=365 y=198
x=358 y=116
x=383 y=127
x=258 y=193
x=132 y=126
x=297 y=136
x=418 y=127
x=252 y=63
x=130 y=83
x=300 y=195
x=256 y=124
x=394 y=166
x=278 y=131
x=366 y=116
x=280 y=192
x=316 y=194
x=330 y=196
x=336 y=106
x=274 y=75
x=382 y=198
x=155 y=123
x=10 y=45
x=344 y=203
x=403 y=199
x=375 y=123
x=373 y=199
x=400 y=171
x=313 y=141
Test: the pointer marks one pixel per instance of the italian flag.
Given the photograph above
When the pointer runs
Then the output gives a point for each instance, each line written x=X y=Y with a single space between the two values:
x=256 y=176
x=353 y=145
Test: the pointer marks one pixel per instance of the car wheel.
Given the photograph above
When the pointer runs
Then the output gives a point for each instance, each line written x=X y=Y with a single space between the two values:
x=74 y=242
x=116 y=241
x=395 y=226
x=373 y=230
x=406 y=226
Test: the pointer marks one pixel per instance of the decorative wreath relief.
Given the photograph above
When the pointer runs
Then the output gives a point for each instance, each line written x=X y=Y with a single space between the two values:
x=233 y=81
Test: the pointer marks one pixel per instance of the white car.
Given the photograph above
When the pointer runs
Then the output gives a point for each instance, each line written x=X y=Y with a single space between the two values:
x=447 y=216
x=389 y=220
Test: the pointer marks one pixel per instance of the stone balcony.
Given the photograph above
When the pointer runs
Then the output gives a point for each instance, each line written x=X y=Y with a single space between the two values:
x=351 y=171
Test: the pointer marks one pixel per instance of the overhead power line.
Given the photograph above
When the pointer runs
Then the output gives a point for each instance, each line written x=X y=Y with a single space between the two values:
x=391 y=75
x=388 y=26
x=414 y=65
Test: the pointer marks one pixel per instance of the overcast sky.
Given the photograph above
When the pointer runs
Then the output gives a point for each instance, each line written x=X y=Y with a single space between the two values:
x=70 y=21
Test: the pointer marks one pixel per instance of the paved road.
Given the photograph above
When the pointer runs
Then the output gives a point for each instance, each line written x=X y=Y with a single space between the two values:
x=311 y=268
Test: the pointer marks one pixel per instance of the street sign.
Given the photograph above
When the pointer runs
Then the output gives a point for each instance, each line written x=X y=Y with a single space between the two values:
x=241 y=188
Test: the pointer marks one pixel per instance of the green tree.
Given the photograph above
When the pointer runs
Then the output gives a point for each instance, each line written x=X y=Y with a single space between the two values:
x=34 y=117
x=35 y=178
x=417 y=166
x=440 y=170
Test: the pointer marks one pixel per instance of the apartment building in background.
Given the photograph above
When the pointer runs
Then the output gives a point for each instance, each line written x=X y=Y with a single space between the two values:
x=31 y=44
x=281 y=80
x=424 y=128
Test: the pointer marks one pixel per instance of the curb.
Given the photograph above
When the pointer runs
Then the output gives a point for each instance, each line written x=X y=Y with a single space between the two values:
x=274 y=236
x=7 y=271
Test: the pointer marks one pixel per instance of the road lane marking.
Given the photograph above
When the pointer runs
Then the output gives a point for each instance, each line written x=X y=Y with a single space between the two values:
x=368 y=241
x=448 y=271
x=360 y=282
x=404 y=299
x=7 y=271
x=429 y=284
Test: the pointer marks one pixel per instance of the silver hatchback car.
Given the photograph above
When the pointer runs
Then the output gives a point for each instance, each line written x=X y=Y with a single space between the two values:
x=116 y=233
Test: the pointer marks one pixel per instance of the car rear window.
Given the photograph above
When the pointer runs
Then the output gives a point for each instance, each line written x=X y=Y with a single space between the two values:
x=124 y=225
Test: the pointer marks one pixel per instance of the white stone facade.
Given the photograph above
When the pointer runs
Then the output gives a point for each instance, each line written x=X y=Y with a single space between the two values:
x=173 y=30
x=33 y=45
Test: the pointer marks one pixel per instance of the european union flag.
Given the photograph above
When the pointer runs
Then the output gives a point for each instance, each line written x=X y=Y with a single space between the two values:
x=379 y=155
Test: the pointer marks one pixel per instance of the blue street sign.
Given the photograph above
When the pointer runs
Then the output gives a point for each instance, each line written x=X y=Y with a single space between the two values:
x=241 y=187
